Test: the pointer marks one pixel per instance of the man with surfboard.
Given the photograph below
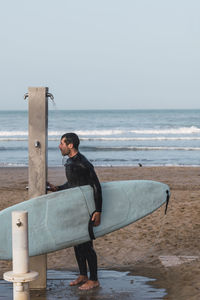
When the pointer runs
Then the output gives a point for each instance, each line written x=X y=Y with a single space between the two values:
x=79 y=172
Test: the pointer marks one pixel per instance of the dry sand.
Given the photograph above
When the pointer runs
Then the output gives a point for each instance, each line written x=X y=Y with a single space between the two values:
x=140 y=247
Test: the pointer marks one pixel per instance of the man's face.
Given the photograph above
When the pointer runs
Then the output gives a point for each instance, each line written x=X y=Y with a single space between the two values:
x=64 y=148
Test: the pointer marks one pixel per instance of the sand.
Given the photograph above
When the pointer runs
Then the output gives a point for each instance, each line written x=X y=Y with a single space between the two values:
x=165 y=247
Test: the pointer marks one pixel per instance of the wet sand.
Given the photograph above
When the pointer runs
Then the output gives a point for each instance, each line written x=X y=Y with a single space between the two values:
x=114 y=285
x=141 y=246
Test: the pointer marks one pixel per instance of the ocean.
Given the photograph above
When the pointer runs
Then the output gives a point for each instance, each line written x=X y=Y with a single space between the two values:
x=110 y=137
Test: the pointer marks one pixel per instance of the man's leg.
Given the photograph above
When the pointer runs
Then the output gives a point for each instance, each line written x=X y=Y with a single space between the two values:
x=81 y=260
x=91 y=257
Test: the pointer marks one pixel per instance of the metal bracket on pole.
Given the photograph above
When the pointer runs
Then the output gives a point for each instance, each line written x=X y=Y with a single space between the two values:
x=47 y=94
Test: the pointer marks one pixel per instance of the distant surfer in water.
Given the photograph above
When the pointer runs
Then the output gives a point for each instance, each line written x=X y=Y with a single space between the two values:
x=79 y=172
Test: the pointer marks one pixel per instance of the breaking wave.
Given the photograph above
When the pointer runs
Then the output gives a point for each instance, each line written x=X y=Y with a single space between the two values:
x=112 y=135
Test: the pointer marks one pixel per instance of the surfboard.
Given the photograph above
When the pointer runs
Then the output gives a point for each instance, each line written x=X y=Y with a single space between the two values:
x=60 y=220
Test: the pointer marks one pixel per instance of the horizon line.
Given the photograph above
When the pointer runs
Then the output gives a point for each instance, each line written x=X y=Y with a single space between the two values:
x=105 y=109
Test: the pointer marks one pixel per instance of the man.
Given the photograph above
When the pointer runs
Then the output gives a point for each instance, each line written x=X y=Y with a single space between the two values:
x=79 y=172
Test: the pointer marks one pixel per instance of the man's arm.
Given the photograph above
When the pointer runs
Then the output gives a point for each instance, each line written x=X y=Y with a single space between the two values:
x=63 y=186
x=54 y=188
x=94 y=182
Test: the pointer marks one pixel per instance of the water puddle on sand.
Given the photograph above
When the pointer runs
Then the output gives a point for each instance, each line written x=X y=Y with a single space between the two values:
x=114 y=285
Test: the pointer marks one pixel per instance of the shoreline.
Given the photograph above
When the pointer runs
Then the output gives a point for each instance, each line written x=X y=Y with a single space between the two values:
x=138 y=247
x=108 y=166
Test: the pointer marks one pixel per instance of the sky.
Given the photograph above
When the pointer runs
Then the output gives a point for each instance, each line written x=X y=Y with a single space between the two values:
x=106 y=54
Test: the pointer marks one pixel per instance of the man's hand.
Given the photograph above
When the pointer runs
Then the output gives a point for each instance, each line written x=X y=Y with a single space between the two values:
x=52 y=187
x=96 y=218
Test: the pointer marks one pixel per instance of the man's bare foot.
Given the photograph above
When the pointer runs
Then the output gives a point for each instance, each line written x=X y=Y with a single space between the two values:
x=90 y=284
x=80 y=279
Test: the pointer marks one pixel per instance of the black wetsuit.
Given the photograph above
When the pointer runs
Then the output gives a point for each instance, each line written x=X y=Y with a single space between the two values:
x=79 y=172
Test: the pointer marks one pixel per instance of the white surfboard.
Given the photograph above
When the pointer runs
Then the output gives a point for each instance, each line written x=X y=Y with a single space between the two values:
x=60 y=220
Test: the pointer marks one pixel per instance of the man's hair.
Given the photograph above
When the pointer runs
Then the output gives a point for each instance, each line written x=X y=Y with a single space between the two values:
x=71 y=138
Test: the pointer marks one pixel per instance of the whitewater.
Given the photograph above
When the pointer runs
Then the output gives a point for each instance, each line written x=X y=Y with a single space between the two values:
x=109 y=137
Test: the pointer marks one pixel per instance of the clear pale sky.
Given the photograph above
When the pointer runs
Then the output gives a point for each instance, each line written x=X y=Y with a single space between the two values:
x=106 y=54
